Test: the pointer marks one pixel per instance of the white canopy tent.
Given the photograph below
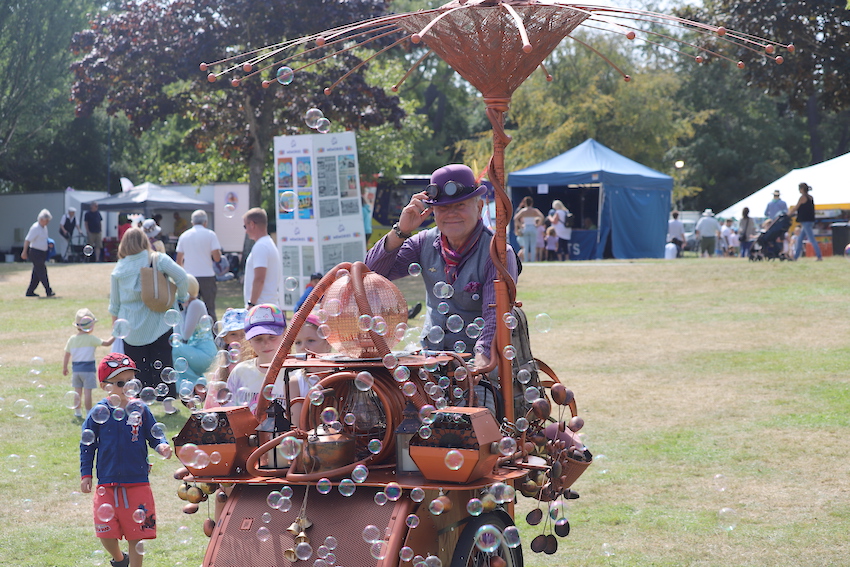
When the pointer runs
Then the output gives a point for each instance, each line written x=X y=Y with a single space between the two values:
x=829 y=180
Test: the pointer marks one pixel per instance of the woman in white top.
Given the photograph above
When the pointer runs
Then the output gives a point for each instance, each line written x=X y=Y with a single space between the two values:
x=35 y=249
x=561 y=219
x=525 y=225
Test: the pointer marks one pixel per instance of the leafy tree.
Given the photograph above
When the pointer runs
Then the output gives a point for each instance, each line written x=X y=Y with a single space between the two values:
x=587 y=98
x=34 y=36
x=747 y=140
x=815 y=79
x=143 y=61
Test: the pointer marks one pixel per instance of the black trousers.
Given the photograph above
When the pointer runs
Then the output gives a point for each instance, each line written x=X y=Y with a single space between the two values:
x=146 y=355
x=39 y=270
x=208 y=290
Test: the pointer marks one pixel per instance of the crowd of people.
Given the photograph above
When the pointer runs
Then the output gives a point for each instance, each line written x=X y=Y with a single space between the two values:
x=545 y=238
x=725 y=238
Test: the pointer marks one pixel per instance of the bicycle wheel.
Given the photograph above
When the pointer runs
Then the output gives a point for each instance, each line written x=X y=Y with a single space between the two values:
x=467 y=554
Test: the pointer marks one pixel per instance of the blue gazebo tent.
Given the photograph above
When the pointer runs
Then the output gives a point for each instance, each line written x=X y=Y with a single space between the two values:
x=632 y=204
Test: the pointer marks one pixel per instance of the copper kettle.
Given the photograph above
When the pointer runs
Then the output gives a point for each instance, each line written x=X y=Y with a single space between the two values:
x=327 y=450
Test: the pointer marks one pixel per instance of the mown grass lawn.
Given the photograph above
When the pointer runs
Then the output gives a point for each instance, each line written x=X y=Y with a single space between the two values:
x=684 y=370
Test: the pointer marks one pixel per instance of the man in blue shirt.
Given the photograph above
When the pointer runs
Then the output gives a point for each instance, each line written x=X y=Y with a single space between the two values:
x=775 y=207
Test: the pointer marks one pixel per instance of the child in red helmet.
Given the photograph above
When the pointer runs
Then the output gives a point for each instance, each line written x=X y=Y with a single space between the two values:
x=117 y=430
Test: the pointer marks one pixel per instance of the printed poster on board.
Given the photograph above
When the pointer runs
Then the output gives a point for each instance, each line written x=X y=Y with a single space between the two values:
x=319 y=207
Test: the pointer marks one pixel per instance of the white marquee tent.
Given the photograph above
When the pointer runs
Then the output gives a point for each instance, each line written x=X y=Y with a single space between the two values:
x=829 y=180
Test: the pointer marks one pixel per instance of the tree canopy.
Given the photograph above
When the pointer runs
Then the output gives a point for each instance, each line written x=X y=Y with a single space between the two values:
x=143 y=61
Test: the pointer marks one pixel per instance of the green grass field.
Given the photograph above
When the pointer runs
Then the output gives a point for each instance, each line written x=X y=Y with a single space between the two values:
x=683 y=370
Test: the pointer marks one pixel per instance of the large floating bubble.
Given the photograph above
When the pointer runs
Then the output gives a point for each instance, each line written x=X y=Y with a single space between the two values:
x=488 y=538
x=312 y=117
x=543 y=323
x=121 y=328
x=346 y=487
x=284 y=75
x=414 y=269
x=287 y=201
x=171 y=317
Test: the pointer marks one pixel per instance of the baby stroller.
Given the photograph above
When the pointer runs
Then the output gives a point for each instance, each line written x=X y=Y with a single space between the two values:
x=768 y=245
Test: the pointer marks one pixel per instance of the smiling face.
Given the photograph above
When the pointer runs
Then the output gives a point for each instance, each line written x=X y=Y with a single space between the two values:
x=265 y=346
x=458 y=220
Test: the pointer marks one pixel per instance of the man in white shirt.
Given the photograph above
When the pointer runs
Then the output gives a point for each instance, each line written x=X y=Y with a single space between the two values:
x=197 y=249
x=262 y=268
x=707 y=231
x=676 y=232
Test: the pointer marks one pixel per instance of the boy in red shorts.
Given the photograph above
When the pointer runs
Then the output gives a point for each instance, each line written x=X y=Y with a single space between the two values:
x=116 y=430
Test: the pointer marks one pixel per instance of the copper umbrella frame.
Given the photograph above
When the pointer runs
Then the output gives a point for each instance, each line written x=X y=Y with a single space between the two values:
x=495 y=45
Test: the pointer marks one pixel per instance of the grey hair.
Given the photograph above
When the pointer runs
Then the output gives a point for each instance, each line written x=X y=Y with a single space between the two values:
x=44 y=214
x=199 y=217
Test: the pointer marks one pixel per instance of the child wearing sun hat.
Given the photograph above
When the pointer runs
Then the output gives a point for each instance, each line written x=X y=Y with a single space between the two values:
x=79 y=351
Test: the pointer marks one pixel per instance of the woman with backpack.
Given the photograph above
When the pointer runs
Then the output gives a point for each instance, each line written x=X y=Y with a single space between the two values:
x=561 y=218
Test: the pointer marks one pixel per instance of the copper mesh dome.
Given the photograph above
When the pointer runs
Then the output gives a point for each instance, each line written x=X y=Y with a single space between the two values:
x=384 y=300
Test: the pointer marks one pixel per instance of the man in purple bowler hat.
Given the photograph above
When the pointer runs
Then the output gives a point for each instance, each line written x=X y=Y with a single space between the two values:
x=454 y=260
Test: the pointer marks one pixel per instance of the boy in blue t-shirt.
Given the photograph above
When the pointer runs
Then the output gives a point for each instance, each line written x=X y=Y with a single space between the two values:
x=116 y=431
x=79 y=350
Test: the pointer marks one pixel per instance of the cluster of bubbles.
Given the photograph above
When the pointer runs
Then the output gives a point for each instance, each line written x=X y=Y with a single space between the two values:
x=315 y=119
x=193 y=456
x=727 y=518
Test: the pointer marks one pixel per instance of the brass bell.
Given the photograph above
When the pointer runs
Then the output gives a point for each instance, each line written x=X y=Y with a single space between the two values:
x=301 y=538
x=305 y=522
x=294 y=528
x=289 y=555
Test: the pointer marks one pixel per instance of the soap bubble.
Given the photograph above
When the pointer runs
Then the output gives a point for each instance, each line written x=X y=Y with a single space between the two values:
x=393 y=491
x=263 y=534
x=424 y=432
x=13 y=463
x=511 y=537
x=175 y=339
x=474 y=507
x=488 y=538
x=159 y=430
x=316 y=396
x=454 y=323
x=323 y=486
x=346 y=487
x=349 y=418
x=414 y=269
x=401 y=374
x=88 y=250
x=138 y=515
x=148 y=395
x=364 y=381
x=473 y=331
x=290 y=447
x=100 y=414
x=390 y=361
x=531 y=394
x=359 y=473
x=408 y=389
x=381 y=498
x=87 y=438
x=290 y=284
x=507 y=446
x=543 y=323
x=521 y=424
x=379 y=325
x=510 y=321
x=375 y=446
x=509 y=352
x=284 y=75
x=523 y=376
x=459 y=347
x=330 y=542
x=333 y=307
x=105 y=512
x=303 y=551
x=205 y=323
x=118 y=414
x=379 y=549
x=719 y=483
x=426 y=414
x=312 y=117
x=417 y=494
x=329 y=415
x=71 y=399
x=120 y=328
x=323 y=126
x=371 y=534
x=436 y=507
x=454 y=460
x=324 y=331
x=209 y=421
x=405 y=553
x=288 y=201
x=727 y=519
x=412 y=521
x=229 y=210
x=436 y=334
x=171 y=317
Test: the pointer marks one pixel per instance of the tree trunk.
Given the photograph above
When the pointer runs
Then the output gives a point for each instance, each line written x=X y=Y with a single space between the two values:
x=257 y=159
x=813 y=123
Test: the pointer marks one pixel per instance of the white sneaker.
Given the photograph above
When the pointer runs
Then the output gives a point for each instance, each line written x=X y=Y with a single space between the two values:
x=77 y=413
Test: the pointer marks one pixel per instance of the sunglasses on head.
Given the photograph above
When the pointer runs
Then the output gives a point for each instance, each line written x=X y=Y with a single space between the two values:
x=119 y=383
x=449 y=189
x=116 y=363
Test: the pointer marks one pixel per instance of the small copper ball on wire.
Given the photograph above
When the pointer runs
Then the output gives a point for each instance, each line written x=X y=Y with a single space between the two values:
x=234 y=82
x=327 y=91
x=779 y=60
x=769 y=49
x=211 y=77
x=721 y=31
x=203 y=66
x=320 y=41
x=699 y=59
x=631 y=35
x=740 y=64
x=266 y=84
x=790 y=47
x=247 y=67
x=627 y=78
